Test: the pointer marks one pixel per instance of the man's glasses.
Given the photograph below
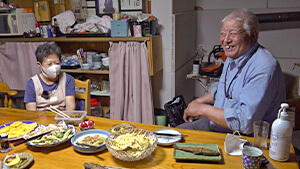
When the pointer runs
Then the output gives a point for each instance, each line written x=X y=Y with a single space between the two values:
x=232 y=34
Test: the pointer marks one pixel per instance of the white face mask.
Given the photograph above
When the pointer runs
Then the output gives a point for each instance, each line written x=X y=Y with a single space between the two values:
x=51 y=72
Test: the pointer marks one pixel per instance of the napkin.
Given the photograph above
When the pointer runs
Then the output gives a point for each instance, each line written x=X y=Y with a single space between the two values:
x=234 y=144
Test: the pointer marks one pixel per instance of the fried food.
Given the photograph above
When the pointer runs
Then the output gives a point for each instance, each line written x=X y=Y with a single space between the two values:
x=198 y=150
x=18 y=129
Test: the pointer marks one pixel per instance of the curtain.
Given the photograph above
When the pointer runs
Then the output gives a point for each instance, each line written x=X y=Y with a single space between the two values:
x=18 y=63
x=130 y=87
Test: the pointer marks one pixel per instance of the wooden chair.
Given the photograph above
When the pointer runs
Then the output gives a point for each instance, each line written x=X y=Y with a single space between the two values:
x=7 y=94
x=85 y=96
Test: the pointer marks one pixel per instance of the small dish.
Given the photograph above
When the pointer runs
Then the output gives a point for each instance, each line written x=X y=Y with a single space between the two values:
x=167 y=140
x=88 y=126
x=87 y=149
x=184 y=155
x=26 y=160
x=5 y=166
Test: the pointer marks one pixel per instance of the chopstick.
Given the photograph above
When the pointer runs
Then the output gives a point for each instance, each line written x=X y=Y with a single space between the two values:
x=55 y=110
x=170 y=135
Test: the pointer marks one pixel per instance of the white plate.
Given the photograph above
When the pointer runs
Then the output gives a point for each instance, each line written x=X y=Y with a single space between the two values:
x=23 y=121
x=167 y=140
x=91 y=132
x=56 y=143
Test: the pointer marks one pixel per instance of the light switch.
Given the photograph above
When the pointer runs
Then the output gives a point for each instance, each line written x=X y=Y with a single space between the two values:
x=55 y=1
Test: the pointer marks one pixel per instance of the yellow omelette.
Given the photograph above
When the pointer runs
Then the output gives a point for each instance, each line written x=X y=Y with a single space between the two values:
x=18 y=129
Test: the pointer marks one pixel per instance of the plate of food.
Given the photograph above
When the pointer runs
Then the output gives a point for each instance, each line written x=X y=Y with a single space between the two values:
x=90 y=141
x=197 y=152
x=60 y=133
x=121 y=128
x=167 y=137
x=18 y=160
x=17 y=129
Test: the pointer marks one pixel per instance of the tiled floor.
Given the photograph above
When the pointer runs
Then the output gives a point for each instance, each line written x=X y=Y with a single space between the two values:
x=296 y=144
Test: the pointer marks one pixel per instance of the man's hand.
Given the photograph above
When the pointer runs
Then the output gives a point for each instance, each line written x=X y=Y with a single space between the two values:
x=194 y=110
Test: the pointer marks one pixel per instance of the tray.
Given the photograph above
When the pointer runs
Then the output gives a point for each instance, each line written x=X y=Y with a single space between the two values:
x=184 y=155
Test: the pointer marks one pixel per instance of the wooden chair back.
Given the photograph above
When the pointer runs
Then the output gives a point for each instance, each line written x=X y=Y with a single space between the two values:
x=84 y=96
x=7 y=94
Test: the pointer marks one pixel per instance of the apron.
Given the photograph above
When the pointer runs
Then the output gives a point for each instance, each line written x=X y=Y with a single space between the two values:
x=56 y=99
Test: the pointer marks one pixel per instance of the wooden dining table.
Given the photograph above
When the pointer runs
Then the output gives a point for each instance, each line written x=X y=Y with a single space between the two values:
x=65 y=157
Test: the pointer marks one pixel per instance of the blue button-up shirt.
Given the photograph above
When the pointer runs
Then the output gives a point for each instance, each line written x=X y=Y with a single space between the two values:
x=256 y=93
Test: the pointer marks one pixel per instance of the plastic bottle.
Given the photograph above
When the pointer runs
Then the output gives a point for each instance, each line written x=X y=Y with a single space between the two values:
x=196 y=67
x=56 y=28
x=37 y=30
x=281 y=136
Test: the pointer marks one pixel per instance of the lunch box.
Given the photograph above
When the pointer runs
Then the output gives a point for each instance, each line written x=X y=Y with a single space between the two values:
x=76 y=117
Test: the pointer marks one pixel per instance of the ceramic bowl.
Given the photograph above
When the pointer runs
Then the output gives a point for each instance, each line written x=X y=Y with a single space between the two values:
x=86 y=128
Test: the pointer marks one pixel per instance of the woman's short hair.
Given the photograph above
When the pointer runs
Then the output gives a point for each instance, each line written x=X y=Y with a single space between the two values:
x=248 y=18
x=46 y=50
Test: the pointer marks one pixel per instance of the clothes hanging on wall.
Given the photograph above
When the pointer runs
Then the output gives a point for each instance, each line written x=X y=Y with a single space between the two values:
x=130 y=87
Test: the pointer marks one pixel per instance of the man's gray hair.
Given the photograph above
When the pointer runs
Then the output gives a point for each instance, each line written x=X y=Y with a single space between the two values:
x=248 y=18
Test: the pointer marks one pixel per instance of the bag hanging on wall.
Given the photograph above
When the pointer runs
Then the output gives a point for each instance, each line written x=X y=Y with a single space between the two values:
x=175 y=109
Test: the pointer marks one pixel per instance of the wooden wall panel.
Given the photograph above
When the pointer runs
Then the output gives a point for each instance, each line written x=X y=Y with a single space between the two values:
x=22 y=3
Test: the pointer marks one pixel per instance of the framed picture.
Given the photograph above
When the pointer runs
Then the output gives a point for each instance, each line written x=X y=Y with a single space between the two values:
x=107 y=7
x=132 y=6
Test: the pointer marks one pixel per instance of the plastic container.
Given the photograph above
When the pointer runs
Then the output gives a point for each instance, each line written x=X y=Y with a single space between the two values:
x=76 y=117
x=281 y=136
x=96 y=109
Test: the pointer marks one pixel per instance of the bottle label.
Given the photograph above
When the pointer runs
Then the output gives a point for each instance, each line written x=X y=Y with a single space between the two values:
x=280 y=146
x=195 y=68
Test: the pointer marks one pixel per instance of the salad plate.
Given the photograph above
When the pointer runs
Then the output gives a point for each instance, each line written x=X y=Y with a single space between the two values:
x=23 y=121
x=48 y=140
x=167 y=137
x=25 y=160
x=88 y=149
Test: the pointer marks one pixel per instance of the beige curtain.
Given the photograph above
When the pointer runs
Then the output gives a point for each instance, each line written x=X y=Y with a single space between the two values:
x=130 y=87
x=18 y=63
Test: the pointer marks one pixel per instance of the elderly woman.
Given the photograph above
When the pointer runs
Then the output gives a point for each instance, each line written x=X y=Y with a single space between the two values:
x=50 y=87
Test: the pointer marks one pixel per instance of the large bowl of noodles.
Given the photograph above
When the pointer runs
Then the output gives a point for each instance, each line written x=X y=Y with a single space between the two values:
x=132 y=146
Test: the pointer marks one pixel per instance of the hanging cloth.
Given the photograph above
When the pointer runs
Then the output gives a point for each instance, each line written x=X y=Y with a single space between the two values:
x=130 y=87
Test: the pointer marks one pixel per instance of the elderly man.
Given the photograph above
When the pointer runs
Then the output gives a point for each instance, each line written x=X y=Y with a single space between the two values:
x=250 y=88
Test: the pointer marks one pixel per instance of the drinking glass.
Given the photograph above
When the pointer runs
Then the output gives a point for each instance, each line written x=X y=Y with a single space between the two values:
x=261 y=133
